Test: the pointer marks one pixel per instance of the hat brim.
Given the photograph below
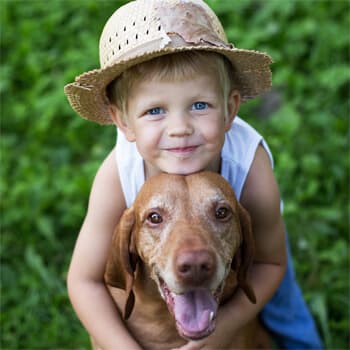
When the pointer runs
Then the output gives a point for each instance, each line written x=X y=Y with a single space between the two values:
x=87 y=94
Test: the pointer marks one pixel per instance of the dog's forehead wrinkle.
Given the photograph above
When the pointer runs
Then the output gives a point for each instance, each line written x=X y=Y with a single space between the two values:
x=159 y=200
x=204 y=198
x=205 y=187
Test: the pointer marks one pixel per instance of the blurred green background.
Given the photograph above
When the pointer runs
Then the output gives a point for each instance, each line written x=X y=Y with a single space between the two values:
x=49 y=155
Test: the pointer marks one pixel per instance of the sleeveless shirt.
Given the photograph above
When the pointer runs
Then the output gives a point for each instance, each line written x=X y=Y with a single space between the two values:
x=237 y=156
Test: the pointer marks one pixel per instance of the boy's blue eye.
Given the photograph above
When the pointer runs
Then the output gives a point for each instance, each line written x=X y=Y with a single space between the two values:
x=200 y=105
x=155 y=111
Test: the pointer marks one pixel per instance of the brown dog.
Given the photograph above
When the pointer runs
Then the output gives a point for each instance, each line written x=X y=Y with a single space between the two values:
x=181 y=250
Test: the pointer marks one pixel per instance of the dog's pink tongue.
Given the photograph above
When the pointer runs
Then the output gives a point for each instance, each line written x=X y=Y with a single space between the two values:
x=194 y=312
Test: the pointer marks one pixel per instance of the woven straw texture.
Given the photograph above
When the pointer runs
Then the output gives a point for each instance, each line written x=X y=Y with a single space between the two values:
x=145 y=29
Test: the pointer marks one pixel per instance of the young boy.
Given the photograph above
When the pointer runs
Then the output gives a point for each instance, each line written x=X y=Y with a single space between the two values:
x=173 y=86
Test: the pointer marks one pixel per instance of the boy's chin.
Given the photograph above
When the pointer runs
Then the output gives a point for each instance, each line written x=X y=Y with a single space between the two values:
x=183 y=170
x=178 y=169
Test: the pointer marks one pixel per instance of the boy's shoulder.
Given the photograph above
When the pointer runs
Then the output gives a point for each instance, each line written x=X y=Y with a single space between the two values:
x=241 y=132
x=241 y=143
x=241 y=125
x=240 y=148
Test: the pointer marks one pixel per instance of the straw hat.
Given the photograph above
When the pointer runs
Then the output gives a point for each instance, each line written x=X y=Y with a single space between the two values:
x=145 y=29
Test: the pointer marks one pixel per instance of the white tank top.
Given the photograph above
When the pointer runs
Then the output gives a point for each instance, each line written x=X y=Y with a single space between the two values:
x=237 y=156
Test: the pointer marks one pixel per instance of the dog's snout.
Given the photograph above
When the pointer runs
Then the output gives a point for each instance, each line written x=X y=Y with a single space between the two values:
x=195 y=267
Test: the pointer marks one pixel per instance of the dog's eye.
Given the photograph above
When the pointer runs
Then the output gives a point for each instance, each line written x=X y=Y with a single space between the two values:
x=222 y=213
x=154 y=218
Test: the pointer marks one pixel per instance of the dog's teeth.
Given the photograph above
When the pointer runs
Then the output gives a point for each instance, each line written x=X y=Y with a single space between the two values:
x=211 y=316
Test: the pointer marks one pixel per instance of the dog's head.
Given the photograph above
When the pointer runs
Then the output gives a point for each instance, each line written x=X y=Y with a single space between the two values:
x=189 y=232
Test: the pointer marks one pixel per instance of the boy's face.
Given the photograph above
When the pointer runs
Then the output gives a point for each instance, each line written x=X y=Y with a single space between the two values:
x=179 y=127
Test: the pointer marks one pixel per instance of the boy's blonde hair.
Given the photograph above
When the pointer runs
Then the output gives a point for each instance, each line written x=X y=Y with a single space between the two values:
x=172 y=67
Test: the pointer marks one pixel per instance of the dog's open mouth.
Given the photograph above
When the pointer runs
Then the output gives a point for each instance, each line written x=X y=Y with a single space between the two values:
x=194 y=311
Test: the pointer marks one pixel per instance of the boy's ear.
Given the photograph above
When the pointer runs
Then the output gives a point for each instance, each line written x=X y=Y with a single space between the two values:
x=120 y=122
x=233 y=103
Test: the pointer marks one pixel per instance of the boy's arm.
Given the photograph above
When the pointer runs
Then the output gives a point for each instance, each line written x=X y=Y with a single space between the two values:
x=87 y=291
x=261 y=198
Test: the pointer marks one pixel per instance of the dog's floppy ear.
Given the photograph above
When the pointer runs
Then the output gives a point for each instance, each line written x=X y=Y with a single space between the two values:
x=123 y=258
x=245 y=255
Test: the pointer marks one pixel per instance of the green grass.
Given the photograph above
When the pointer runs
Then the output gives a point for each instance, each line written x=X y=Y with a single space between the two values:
x=49 y=155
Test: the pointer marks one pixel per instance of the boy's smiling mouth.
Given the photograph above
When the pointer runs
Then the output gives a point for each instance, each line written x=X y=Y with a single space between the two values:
x=182 y=150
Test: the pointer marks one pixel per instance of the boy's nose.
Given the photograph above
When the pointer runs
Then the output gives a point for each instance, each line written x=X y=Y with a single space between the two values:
x=179 y=126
